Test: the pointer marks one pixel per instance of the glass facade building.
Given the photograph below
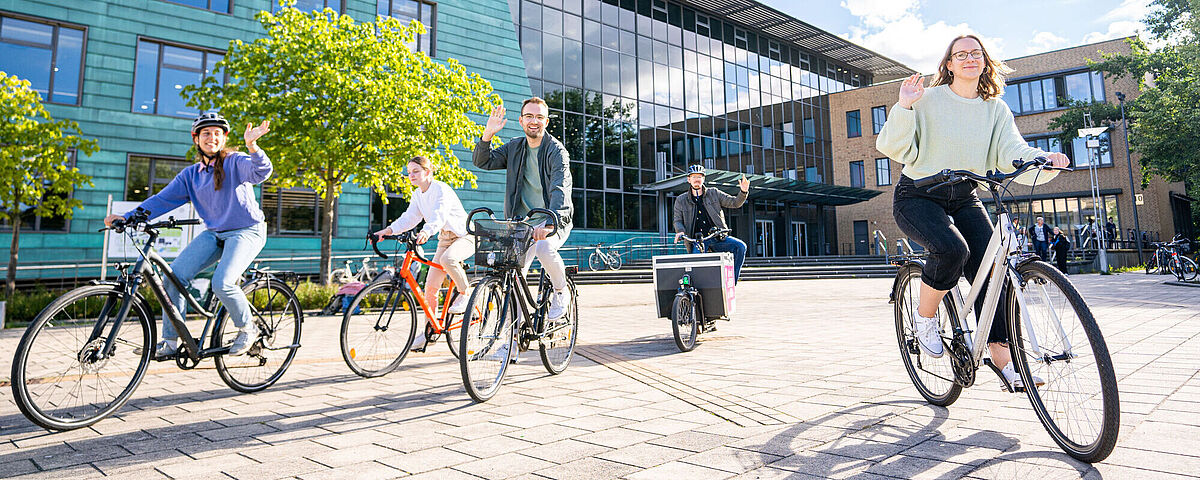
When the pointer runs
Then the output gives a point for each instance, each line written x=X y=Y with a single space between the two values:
x=640 y=89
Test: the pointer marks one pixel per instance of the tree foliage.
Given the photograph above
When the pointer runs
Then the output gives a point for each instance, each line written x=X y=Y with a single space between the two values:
x=1165 y=116
x=348 y=101
x=35 y=173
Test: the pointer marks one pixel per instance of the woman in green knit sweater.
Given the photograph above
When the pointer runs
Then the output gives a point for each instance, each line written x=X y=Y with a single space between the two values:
x=960 y=122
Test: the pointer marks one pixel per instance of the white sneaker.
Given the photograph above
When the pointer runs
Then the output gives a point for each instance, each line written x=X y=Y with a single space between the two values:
x=928 y=335
x=418 y=342
x=166 y=348
x=558 y=305
x=1014 y=378
x=460 y=304
x=245 y=339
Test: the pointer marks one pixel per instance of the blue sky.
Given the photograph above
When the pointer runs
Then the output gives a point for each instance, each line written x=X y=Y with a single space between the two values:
x=915 y=32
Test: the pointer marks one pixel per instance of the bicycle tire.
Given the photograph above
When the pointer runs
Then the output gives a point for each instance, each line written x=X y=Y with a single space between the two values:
x=933 y=377
x=1075 y=329
x=453 y=326
x=68 y=322
x=277 y=313
x=1189 y=271
x=1152 y=263
x=557 y=355
x=375 y=335
x=595 y=262
x=685 y=321
x=485 y=345
x=616 y=261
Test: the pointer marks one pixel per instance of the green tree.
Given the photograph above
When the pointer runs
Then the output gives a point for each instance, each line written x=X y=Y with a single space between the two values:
x=1165 y=116
x=36 y=176
x=348 y=101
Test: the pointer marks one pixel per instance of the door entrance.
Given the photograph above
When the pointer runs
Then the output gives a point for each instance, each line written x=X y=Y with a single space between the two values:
x=798 y=238
x=764 y=238
x=861 y=241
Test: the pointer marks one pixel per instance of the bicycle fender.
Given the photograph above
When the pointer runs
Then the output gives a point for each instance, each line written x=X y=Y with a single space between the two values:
x=899 y=274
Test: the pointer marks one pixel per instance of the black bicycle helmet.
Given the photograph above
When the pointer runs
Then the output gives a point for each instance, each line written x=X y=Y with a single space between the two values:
x=210 y=119
x=696 y=169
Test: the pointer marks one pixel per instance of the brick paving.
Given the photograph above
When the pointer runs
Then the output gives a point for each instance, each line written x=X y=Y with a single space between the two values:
x=805 y=382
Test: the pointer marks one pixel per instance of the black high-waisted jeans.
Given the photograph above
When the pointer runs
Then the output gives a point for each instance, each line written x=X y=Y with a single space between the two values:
x=954 y=248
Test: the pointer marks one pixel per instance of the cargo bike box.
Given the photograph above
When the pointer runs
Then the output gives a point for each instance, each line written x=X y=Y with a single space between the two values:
x=710 y=273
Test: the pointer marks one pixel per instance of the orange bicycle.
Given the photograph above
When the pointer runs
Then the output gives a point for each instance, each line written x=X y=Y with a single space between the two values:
x=380 y=324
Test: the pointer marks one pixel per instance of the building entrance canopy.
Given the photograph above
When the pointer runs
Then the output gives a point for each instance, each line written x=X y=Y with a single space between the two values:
x=763 y=187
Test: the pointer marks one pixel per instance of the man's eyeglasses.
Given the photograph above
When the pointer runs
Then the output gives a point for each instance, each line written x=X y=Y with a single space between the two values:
x=529 y=116
x=961 y=56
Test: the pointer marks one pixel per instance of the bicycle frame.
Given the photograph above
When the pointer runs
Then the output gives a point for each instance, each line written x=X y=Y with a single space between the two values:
x=410 y=281
x=1001 y=260
x=144 y=269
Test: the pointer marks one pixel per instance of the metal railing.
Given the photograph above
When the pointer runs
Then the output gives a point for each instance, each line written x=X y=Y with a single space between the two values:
x=632 y=249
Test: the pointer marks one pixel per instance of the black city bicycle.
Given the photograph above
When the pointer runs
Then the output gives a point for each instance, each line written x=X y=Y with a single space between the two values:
x=82 y=357
x=688 y=320
x=1055 y=343
x=490 y=330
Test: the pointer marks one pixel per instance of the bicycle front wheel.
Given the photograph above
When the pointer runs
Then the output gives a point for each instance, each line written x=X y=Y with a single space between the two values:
x=1055 y=340
x=1152 y=264
x=62 y=378
x=557 y=343
x=933 y=377
x=276 y=311
x=486 y=342
x=378 y=329
x=685 y=321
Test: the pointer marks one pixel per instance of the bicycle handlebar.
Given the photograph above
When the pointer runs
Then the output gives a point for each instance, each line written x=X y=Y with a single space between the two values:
x=556 y=219
x=140 y=221
x=714 y=232
x=409 y=237
x=951 y=177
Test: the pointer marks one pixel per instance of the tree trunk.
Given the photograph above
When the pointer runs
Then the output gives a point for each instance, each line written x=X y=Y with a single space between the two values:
x=327 y=216
x=10 y=286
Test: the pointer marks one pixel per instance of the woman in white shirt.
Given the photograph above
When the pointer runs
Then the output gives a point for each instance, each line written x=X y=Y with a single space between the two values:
x=436 y=203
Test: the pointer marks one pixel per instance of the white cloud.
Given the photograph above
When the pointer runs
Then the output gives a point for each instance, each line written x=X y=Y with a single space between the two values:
x=1044 y=42
x=1135 y=10
x=1118 y=29
x=897 y=31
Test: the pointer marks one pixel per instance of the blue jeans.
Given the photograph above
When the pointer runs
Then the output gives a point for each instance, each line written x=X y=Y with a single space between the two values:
x=729 y=244
x=241 y=247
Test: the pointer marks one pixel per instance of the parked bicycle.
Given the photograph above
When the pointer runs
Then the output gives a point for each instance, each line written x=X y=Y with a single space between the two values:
x=83 y=356
x=381 y=322
x=1169 y=257
x=1053 y=335
x=347 y=274
x=604 y=258
x=503 y=315
x=690 y=313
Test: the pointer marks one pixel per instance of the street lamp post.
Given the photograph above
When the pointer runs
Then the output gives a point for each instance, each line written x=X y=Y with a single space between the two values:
x=1137 y=234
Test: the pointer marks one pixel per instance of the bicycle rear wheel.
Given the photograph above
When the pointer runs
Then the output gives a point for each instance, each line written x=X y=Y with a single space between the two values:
x=453 y=325
x=1188 y=270
x=276 y=311
x=378 y=329
x=485 y=346
x=933 y=377
x=595 y=262
x=557 y=345
x=616 y=261
x=685 y=321
x=1057 y=340
x=61 y=379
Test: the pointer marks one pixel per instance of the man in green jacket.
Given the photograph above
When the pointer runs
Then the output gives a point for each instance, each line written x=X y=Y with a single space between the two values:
x=539 y=176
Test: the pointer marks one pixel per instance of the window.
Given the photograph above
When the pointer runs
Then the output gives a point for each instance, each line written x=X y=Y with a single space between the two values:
x=810 y=131
x=789 y=137
x=291 y=211
x=148 y=175
x=406 y=10
x=878 y=117
x=853 y=124
x=883 y=172
x=162 y=70
x=856 y=174
x=35 y=223
x=1044 y=94
x=313 y=5
x=222 y=6
x=48 y=54
x=383 y=215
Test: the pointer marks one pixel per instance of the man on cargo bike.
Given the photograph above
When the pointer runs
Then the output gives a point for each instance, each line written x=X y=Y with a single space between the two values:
x=682 y=282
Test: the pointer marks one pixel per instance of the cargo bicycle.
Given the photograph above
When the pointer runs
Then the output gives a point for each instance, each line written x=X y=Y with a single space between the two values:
x=692 y=275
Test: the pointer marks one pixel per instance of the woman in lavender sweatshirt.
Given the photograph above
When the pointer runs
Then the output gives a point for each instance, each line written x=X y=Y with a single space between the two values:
x=220 y=186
